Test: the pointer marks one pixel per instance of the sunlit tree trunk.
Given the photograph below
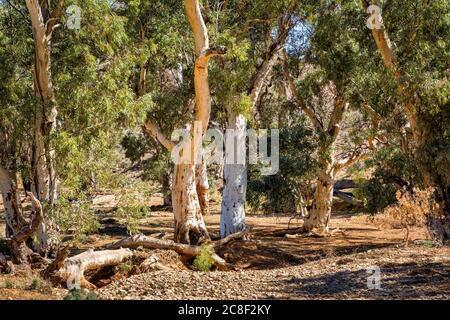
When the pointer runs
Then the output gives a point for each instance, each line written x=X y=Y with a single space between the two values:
x=44 y=179
x=189 y=223
x=202 y=185
x=320 y=213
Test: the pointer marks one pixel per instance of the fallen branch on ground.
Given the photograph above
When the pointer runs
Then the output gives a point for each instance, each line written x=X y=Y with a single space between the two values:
x=71 y=270
x=143 y=241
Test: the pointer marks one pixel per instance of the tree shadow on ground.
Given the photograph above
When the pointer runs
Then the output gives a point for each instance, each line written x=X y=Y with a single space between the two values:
x=398 y=281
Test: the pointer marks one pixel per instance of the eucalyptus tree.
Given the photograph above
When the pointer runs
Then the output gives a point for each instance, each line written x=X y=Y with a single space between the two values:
x=320 y=83
x=255 y=33
x=411 y=38
x=89 y=75
x=189 y=223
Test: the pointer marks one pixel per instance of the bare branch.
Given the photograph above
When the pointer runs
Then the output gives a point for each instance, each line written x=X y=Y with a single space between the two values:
x=154 y=131
x=299 y=100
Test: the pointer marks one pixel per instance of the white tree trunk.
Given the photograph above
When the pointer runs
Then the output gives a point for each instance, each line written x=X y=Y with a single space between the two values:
x=232 y=217
x=45 y=183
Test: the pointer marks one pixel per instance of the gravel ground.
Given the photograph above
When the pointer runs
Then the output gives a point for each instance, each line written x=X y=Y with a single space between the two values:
x=406 y=273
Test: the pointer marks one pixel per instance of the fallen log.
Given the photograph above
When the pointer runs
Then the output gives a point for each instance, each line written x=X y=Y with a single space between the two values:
x=143 y=241
x=72 y=269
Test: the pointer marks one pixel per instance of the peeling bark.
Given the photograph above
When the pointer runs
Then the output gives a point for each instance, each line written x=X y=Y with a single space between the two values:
x=20 y=252
x=44 y=178
x=73 y=268
x=189 y=224
x=319 y=216
x=202 y=186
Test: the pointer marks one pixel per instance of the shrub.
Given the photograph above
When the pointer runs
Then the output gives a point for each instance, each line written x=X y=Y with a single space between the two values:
x=36 y=283
x=9 y=284
x=204 y=261
x=78 y=294
x=413 y=208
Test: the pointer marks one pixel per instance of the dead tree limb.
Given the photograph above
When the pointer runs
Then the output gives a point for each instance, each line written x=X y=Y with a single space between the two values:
x=72 y=269
x=143 y=241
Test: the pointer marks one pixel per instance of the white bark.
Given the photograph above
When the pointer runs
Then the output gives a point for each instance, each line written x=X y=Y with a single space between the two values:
x=44 y=179
x=232 y=217
x=235 y=175
x=73 y=269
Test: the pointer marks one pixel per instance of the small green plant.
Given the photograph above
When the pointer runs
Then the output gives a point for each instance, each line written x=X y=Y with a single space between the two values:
x=36 y=283
x=78 y=294
x=428 y=244
x=125 y=267
x=204 y=261
x=9 y=284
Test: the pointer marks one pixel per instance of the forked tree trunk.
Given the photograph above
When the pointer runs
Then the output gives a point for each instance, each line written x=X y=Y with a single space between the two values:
x=232 y=217
x=319 y=215
x=189 y=225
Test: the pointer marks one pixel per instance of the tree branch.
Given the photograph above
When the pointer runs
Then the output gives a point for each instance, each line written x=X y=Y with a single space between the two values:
x=54 y=17
x=154 y=131
x=297 y=99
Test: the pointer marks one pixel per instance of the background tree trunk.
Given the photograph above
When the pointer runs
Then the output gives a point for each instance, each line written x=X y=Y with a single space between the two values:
x=11 y=202
x=232 y=217
x=319 y=215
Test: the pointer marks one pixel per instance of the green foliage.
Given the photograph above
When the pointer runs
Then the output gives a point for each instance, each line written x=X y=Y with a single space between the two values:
x=74 y=216
x=78 y=294
x=204 y=261
x=125 y=267
x=130 y=212
x=9 y=284
x=36 y=283
x=282 y=192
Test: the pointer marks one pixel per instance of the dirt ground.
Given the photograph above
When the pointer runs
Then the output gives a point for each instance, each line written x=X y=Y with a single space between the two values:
x=275 y=266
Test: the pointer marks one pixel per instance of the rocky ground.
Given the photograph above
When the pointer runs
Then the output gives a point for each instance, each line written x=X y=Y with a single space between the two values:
x=406 y=273
x=273 y=265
